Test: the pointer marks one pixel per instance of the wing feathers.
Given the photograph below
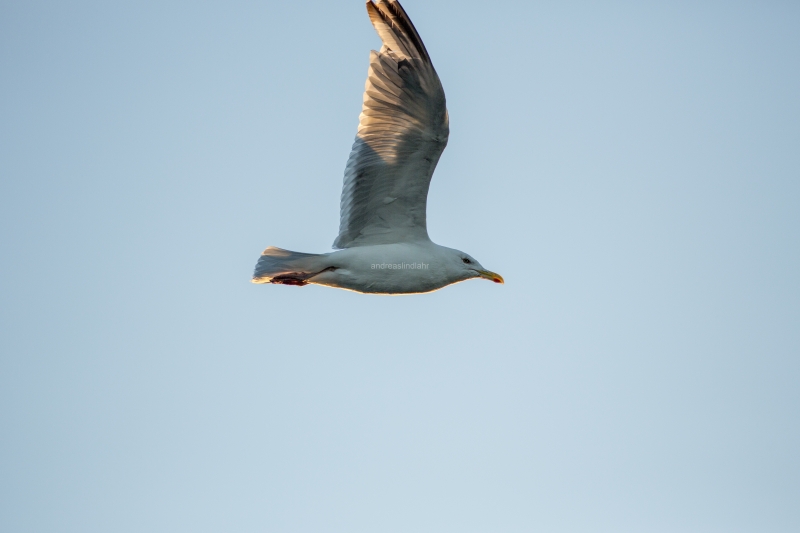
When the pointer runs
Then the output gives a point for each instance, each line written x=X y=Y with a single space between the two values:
x=381 y=22
x=402 y=131
x=393 y=14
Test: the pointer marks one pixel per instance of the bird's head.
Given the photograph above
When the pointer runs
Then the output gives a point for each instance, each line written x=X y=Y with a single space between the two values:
x=468 y=267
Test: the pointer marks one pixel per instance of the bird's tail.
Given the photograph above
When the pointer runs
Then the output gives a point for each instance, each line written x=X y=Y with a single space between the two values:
x=277 y=265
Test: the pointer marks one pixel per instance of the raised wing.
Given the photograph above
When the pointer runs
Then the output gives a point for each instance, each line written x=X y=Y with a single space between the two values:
x=402 y=131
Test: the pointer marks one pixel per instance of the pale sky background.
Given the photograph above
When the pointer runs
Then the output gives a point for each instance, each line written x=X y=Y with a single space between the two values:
x=632 y=170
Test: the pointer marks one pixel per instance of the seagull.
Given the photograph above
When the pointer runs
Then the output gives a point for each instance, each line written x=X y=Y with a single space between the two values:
x=383 y=245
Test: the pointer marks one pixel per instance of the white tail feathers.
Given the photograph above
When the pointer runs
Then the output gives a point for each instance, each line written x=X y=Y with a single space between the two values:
x=277 y=265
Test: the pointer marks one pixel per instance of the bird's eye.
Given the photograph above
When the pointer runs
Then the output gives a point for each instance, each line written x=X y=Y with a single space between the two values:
x=467 y=261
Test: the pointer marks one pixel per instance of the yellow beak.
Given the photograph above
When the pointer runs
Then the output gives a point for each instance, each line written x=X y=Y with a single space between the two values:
x=491 y=276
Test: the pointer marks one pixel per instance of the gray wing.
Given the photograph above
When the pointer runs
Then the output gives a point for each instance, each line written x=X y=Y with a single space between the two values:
x=402 y=131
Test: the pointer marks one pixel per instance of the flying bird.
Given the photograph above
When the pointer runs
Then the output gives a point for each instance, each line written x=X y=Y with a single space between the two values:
x=383 y=245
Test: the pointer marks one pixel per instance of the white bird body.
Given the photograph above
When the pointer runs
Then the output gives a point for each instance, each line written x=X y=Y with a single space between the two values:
x=403 y=130
x=399 y=268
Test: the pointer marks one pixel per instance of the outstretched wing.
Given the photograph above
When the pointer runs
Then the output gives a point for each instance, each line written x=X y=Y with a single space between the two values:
x=402 y=131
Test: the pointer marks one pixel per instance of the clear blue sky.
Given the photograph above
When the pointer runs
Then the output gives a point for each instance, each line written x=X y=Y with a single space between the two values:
x=632 y=170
